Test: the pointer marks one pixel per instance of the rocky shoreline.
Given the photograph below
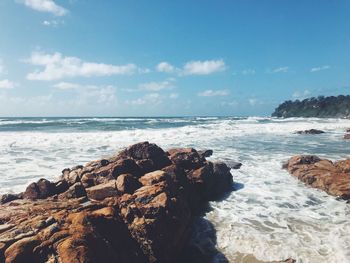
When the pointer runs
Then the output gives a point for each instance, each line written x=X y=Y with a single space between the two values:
x=137 y=206
x=331 y=177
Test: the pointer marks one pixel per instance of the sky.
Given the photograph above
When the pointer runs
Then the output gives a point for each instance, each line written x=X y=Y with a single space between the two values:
x=169 y=58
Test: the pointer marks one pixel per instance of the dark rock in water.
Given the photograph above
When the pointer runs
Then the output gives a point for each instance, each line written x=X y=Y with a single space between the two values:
x=347 y=136
x=8 y=198
x=334 y=178
x=311 y=131
x=348 y=130
x=205 y=153
x=137 y=206
x=234 y=165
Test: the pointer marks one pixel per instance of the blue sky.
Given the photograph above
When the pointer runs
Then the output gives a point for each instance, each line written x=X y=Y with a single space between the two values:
x=169 y=58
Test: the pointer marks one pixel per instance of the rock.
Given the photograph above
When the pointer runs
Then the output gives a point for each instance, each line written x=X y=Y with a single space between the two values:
x=146 y=150
x=77 y=190
x=127 y=184
x=40 y=190
x=139 y=209
x=155 y=177
x=22 y=251
x=205 y=153
x=347 y=136
x=8 y=198
x=311 y=131
x=187 y=158
x=348 y=130
x=102 y=191
x=334 y=178
x=234 y=165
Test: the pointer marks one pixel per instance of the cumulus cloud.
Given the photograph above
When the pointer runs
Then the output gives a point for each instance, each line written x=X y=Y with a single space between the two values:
x=157 y=86
x=66 y=85
x=213 y=93
x=165 y=67
x=319 y=68
x=7 y=84
x=203 y=67
x=56 y=66
x=48 y=6
x=280 y=70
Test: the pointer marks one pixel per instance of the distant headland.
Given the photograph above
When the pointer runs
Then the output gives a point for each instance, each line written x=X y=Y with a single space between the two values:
x=322 y=107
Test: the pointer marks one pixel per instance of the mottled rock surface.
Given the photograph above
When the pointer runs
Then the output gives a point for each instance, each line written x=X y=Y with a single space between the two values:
x=137 y=206
x=332 y=177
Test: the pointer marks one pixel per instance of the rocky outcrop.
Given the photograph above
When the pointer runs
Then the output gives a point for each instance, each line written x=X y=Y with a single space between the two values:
x=137 y=206
x=311 y=131
x=332 y=177
x=347 y=135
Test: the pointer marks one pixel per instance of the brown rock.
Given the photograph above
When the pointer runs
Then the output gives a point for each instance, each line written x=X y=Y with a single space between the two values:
x=155 y=177
x=8 y=198
x=188 y=158
x=127 y=184
x=22 y=251
x=102 y=191
x=334 y=178
x=77 y=190
x=40 y=190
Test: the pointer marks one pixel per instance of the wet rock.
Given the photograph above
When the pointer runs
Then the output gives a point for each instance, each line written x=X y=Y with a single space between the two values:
x=40 y=190
x=8 y=198
x=188 y=158
x=334 y=178
x=146 y=150
x=234 y=165
x=205 y=153
x=311 y=131
x=347 y=136
x=140 y=208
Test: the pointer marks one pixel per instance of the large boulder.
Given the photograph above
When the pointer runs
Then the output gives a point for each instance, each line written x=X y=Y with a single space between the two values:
x=136 y=206
x=334 y=178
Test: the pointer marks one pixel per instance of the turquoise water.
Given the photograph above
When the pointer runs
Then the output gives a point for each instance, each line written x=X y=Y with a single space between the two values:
x=273 y=215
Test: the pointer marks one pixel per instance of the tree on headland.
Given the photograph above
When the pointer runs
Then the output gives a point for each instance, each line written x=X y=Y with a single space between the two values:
x=322 y=107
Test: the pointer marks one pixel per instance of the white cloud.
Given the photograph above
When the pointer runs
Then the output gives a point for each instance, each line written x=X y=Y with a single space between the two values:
x=280 y=70
x=56 y=66
x=203 y=67
x=66 y=85
x=301 y=95
x=213 y=93
x=157 y=86
x=165 y=67
x=229 y=103
x=320 y=68
x=48 y=6
x=151 y=99
x=7 y=84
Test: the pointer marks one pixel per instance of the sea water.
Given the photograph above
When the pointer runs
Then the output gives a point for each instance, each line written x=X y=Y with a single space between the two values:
x=271 y=216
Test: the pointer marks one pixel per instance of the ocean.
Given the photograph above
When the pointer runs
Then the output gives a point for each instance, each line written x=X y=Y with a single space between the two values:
x=271 y=215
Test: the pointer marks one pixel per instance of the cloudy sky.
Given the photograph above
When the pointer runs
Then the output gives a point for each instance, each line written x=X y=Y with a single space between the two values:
x=169 y=58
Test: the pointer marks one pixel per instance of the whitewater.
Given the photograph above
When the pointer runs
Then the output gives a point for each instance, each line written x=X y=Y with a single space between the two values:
x=270 y=216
